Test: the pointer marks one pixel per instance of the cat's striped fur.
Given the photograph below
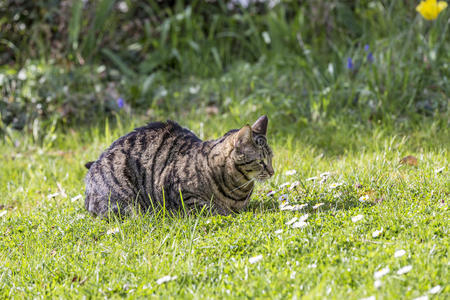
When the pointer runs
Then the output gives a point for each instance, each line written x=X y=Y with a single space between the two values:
x=157 y=165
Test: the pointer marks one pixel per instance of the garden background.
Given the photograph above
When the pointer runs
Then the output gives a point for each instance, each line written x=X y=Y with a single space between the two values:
x=350 y=88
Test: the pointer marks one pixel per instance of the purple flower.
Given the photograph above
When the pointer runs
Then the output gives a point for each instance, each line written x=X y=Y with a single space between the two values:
x=366 y=47
x=370 y=57
x=349 y=63
x=120 y=102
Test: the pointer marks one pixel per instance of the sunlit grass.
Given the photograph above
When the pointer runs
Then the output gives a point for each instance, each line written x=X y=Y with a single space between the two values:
x=50 y=246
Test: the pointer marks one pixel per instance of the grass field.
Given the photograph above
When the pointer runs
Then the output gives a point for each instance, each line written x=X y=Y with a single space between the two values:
x=375 y=227
x=350 y=88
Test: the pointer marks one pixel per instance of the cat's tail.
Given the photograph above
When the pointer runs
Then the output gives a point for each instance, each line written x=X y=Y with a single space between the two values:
x=89 y=164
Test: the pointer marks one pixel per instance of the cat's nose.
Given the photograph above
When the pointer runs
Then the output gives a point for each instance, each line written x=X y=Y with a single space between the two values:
x=270 y=171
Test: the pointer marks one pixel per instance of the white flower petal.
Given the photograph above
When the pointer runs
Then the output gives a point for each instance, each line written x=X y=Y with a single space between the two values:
x=377 y=284
x=399 y=253
x=165 y=279
x=369 y=298
x=194 y=89
x=286 y=207
x=311 y=178
x=357 y=218
x=437 y=171
x=255 y=259
x=299 y=224
x=377 y=233
x=76 y=198
x=266 y=37
x=271 y=193
x=325 y=174
x=318 y=205
x=336 y=185
x=363 y=198
x=3 y=212
x=435 y=290
x=282 y=186
x=293 y=185
x=381 y=273
x=283 y=197
x=52 y=195
x=304 y=218
x=278 y=231
x=404 y=270
x=296 y=207
x=290 y=172
x=113 y=230
x=291 y=221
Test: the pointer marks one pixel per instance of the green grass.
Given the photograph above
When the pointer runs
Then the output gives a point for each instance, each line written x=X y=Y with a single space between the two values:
x=51 y=247
x=212 y=69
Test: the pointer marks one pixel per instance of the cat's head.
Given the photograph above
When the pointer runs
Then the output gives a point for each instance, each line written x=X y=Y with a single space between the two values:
x=252 y=154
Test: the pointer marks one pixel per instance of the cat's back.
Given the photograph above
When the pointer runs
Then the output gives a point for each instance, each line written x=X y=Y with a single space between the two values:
x=151 y=139
x=137 y=164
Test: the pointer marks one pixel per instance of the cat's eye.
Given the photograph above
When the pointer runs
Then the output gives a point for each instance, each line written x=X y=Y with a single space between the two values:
x=260 y=141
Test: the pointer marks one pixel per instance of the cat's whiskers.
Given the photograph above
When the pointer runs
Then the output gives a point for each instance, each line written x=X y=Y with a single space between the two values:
x=244 y=184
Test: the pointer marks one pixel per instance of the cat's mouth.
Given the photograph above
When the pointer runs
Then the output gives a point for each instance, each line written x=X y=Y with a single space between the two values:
x=263 y=177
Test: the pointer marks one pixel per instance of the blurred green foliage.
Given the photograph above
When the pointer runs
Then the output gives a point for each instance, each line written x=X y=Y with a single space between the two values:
x=72 y=60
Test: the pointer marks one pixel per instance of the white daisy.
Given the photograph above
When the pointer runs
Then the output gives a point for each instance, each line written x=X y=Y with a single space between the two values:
x=113 y=230
x=282 y=186
x=299 y=224
x=312 y=178
x=336 y=185
x=369 y=298
x=377 y=233
x=357 y=218
x=286 y=207
x=293 y=185
x=255 y=259
x=318 y=205
x=437 y=171
x=377 y=284
x=363 y=198
x=325 y=174
x=271 y=193
x=290 y=172
x=76 y=198
x=300 y=206
x=304 y=217
x=381 y=273
x=283 y=197
x=166 y=279
x=435 y=289
x=404 y=270
x=291 y=221
x=399 y=253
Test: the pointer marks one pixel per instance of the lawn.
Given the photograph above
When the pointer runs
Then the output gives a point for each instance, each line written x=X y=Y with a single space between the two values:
x=371 y=226
x=357 y=96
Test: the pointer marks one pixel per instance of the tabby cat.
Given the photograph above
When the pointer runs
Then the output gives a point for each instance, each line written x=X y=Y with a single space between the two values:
x=163 y=165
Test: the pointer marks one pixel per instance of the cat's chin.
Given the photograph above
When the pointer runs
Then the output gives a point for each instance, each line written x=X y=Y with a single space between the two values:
x=262 y=178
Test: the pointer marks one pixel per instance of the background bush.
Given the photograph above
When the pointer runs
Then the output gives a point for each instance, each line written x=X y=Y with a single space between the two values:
x=72 y=60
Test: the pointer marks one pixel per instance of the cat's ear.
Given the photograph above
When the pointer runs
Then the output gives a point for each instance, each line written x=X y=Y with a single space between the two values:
x=243 y=136
x=260 y=125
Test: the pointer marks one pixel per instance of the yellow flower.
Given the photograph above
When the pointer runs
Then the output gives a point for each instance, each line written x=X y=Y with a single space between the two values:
x=430 y=9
